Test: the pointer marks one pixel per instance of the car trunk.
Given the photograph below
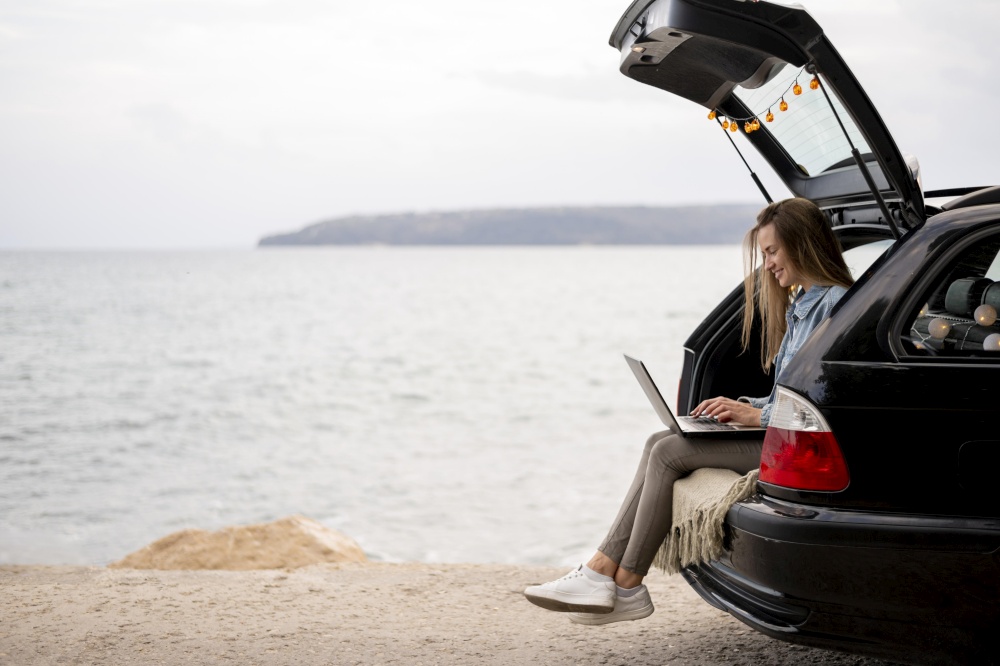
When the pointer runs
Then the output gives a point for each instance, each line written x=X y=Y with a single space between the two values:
x=744 y=62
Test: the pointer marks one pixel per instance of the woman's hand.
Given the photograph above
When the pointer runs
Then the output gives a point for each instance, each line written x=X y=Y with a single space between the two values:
x=726 y=410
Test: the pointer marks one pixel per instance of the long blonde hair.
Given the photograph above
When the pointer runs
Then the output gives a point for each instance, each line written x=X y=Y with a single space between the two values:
x=804 y=233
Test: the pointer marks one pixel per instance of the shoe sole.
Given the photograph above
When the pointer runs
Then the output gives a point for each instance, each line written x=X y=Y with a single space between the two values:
x=636 y=614
x=558 y=603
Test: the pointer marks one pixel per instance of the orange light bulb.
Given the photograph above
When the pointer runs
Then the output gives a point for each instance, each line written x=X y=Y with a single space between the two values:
x=797 y=89
x=755 y=124
x=814 y=84
x=725 y=124
x=784 y=105
x=769 y=117
x=747 y=127
x=711 y=115
x=732 y=126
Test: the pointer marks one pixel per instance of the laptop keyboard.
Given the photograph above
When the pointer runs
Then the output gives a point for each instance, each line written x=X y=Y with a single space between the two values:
x=708 y=423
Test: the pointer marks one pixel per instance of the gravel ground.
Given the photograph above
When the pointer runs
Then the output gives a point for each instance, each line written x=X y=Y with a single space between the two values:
x=370 y=613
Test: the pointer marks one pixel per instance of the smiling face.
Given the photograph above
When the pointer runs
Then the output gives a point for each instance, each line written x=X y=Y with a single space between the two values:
x=776 y=260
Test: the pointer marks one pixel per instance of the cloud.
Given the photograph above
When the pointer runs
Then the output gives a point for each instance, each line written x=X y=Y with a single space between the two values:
x=602 y=86
x=164 y=122
x=262 y=112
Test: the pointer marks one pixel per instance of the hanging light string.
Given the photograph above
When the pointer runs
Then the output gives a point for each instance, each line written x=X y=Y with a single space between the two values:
x=752 y=123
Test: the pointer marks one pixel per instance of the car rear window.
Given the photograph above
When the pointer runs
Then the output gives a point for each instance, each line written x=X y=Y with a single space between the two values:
x=808 y=130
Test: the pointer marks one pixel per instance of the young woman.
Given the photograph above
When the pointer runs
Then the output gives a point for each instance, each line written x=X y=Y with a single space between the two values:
x=799 y=255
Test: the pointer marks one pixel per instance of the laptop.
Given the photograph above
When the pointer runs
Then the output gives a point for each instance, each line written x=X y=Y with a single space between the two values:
x=689 y=426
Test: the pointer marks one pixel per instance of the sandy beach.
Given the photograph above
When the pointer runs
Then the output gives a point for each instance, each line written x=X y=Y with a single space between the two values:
x=367 y=613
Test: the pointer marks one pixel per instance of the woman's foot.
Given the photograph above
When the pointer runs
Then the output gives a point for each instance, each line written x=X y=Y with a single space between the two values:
x=635 y=606
x=581 y=590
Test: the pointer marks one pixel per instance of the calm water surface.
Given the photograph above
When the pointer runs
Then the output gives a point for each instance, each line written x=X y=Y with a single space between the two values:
x=436 y=404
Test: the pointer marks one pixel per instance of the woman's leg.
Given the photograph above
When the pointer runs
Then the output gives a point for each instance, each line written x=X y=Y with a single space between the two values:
x=646 y=517
x=612 y=549
x=593 y=590
x=625 y=555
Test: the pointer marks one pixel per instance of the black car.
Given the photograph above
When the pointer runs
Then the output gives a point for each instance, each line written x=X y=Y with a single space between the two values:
x=875 y=528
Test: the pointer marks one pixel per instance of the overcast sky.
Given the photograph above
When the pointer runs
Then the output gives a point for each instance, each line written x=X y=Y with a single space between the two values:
x=209 y=123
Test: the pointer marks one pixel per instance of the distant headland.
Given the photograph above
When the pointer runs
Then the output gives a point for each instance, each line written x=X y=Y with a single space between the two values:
x=599 y=225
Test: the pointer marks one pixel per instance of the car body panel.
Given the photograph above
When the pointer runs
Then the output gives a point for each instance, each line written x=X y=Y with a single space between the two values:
x=903 y=587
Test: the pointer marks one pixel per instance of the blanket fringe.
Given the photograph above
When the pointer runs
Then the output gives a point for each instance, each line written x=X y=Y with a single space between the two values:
x=697 y=533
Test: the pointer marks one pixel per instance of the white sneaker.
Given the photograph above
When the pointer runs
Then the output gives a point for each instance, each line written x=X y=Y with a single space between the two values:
x=636 y=607
x=574 y=592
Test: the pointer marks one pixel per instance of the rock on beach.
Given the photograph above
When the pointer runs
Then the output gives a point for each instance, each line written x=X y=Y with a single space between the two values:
x=288 y=543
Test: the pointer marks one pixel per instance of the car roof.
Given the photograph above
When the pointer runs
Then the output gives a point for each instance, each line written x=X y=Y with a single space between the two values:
x=741 y=59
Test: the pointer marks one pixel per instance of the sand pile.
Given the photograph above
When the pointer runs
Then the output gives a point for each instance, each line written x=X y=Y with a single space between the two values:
x=288 y=543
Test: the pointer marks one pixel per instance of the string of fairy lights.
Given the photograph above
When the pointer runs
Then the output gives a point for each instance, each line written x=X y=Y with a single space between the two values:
x=752 y=123
x=939 y=328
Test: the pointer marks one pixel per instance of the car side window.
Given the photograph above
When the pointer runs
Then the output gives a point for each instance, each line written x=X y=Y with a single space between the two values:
x=993 y=272
x=960 y=312
x=860 y=258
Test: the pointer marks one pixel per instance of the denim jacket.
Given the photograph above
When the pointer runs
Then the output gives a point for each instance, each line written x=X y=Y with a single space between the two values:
x=806 y=312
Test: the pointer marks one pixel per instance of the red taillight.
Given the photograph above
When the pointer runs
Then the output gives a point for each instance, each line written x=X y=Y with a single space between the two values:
x=800 y=451
x=803 y=460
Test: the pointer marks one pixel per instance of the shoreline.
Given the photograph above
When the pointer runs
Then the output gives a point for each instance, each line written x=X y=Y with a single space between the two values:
x=357 y=613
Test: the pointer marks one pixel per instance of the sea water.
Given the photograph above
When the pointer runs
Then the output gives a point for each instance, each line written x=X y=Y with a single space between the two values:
x=436 y=404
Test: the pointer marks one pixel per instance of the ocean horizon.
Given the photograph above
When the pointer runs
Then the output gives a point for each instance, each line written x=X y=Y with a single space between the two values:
x=436 y=404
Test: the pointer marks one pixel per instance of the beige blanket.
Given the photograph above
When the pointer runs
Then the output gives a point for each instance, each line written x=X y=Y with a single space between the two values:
x=701 y=501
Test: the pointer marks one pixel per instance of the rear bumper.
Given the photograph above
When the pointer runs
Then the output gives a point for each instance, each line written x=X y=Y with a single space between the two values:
x=905 y=588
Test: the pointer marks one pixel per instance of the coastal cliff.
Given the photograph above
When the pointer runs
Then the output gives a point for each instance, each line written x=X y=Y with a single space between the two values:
x=635 y=225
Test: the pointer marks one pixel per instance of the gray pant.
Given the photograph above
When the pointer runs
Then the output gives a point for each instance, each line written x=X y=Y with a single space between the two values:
x=647 y=512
